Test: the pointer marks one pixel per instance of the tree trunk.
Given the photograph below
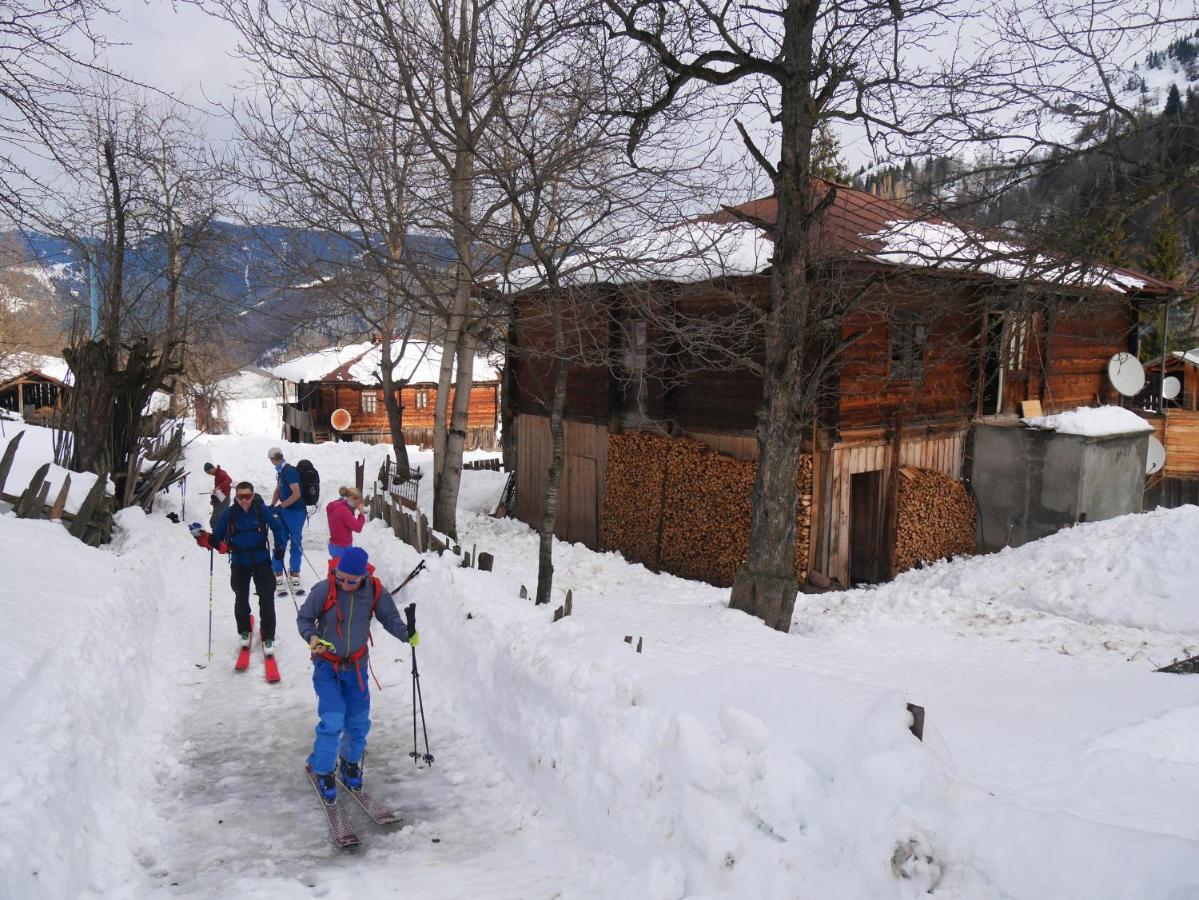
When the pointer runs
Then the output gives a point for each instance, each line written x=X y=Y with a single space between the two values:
x=766 y=585
x=445 y=500
x=391 y=398
x=549 y=513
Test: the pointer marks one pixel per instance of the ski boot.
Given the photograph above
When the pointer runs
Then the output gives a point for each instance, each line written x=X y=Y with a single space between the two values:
x=268 y=647
x=327 y=784
x=294 y=579
x=351 y=775
x=243 y=639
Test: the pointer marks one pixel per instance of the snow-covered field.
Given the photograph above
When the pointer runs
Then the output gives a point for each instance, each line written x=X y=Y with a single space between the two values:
x=726 y=760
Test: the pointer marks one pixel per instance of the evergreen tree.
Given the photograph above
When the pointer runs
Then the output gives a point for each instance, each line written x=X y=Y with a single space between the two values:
x=1165 y=254
x=1173 y=111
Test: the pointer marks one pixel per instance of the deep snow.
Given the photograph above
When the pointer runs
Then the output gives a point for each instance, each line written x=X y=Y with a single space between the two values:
x=726 y=760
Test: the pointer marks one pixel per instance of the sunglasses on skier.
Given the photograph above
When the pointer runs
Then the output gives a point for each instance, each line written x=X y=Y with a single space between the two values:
x=348 y=580
x=244 y=496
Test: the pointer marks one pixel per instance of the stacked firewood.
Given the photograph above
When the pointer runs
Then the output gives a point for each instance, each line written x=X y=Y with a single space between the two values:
x=937 y=518
x=679 y=506
x=633 y=496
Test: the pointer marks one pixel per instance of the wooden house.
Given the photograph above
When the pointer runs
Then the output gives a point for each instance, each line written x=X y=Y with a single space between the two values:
x=1176 y=426
x=937 y=330
x=36 y=392
x=338 y=396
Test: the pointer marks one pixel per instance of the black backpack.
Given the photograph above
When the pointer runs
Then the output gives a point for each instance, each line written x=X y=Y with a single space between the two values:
x=310 y=482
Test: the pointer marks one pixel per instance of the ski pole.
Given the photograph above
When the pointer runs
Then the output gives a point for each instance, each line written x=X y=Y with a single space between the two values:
x=417 y=698
x=318 y=575
x=411 y=575
x=211 y=556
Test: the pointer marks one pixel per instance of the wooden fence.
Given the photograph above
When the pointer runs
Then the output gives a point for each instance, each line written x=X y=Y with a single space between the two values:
x=412 y=527
x=91 y=523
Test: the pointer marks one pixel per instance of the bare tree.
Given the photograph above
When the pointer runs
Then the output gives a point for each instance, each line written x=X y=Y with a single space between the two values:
x=326 y=150
x=134 y=211
x=40 y=72
x=806 y=64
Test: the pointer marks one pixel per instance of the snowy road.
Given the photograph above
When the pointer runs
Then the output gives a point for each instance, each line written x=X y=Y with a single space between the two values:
x=240 y=818
x=727 y=760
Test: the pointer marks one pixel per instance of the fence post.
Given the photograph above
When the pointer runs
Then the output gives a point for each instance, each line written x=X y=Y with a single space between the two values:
x=26 y=505
x=10 y=453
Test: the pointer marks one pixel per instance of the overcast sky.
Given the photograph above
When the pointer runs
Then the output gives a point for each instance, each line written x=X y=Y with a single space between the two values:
x=179 y=50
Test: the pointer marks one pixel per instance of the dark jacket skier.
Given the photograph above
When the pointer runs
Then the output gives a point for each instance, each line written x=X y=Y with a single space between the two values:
x=243 y=532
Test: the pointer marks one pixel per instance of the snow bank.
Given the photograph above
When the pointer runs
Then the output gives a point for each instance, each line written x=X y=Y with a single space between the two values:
x=36 y=448
x=1095 y=421
x=1118 y=572
x=83 y=701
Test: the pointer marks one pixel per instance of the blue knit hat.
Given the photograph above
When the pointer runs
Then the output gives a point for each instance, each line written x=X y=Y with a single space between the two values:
x=353 y=562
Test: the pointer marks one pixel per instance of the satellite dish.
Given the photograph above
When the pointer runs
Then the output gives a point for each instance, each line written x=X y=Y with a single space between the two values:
x=1126 y=373
x=340 y=419
x=1171 y=387
x=1156 y=457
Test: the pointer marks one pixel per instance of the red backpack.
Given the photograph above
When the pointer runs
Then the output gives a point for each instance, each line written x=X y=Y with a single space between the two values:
x=331 y=603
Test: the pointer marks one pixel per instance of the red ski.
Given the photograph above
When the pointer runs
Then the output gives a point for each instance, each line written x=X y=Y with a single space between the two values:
x=243 y=655
x=269 y=664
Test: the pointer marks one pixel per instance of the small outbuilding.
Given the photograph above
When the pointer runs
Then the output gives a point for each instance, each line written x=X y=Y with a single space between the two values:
x=36 y=392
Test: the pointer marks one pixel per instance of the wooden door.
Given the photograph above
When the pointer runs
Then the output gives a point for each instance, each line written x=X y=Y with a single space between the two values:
x=867 y=554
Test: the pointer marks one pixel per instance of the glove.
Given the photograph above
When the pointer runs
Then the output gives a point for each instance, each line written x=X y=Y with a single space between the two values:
x=195 y=529
x=414 y=639
x=278 y=552
x=222 y=548
x=317 y=645
x=203 y=539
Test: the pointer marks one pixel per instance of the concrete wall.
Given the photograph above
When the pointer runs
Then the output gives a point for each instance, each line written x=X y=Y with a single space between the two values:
x=1030 y=483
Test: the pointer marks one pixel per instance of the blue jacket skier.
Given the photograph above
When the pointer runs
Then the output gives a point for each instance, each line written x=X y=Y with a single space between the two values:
x=335 y=620
x=243 y=531
x=289 y=503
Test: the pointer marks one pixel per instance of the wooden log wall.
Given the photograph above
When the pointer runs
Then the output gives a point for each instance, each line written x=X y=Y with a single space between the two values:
x=418 y=402
x=678 y=506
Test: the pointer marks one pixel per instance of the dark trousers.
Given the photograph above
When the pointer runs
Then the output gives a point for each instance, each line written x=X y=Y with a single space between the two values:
x=264 y=586
x=218 y=507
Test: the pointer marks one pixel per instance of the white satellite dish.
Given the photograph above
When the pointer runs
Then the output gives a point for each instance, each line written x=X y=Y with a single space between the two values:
x=1171 y=387
x=1126 y=373
x=1156 y=457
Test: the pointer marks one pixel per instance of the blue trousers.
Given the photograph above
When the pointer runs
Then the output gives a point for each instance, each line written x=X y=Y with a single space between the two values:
x=293 y=517
x=336 y=550
x=344 y=706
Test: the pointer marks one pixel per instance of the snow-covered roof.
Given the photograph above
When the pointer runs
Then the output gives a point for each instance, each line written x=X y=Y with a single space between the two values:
x=51 y=366
x=1093 y=421
x=685 y=253
x=910 y=242
x=250 y=383
x=360 y=363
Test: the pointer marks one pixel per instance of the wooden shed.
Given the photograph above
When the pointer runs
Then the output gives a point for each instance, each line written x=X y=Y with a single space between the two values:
x=36 y=392
x=347 y=379
x=925 y=350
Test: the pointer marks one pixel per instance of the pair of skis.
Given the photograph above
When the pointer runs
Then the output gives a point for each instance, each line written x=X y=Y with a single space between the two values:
x=339 y=826
x=269 y=664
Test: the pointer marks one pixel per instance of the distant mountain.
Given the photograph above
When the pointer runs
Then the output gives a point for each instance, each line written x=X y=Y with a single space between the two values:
x=255 y=283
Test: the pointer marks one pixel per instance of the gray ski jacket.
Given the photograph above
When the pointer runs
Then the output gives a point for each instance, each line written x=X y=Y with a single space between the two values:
x=350 y=632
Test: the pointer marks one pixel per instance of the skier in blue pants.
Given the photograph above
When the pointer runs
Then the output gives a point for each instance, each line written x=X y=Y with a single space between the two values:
x=335 y=620
x=289 y=503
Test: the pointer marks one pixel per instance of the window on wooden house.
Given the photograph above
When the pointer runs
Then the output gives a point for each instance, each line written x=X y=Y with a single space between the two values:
x=635 y=342
x=370 y=401
x=908 y=336
x=1019 y=333
x=422 y=399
